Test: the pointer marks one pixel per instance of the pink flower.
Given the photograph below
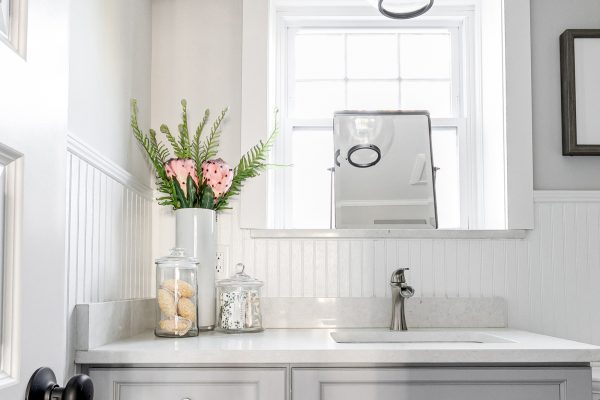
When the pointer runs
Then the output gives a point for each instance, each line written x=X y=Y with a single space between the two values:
x=218 y=175
x=180 y=169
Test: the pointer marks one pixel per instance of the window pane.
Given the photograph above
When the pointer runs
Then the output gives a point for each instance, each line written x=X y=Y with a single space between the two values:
x=425 y=56
x=318 y=99
x=4 y=14
x=434 y=97
x=372 y=56
x=369 y=95
x=311 y=187
x=447 y=184
x=319 y=56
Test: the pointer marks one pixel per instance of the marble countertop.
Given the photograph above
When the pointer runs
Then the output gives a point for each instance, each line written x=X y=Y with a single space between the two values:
x=315 y=346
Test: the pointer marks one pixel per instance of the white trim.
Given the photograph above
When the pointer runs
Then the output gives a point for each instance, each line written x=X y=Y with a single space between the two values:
x=79 y=148
x=10 y=349
x=256 y=104
x=566 y=196
x=385 y=233
x=17 y=35
x=518 y=115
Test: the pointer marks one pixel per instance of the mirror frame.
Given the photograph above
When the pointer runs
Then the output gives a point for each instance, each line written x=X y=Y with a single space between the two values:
x=257 y=62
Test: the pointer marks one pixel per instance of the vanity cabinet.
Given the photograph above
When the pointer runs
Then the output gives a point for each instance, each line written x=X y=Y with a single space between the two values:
x=450 y=383
x=189 y=383
x=413 y=383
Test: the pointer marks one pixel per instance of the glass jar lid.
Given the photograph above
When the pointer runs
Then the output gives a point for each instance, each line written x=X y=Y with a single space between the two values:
x=240 y=278
x=178 y=257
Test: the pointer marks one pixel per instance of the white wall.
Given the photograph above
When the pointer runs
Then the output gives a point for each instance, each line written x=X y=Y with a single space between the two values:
x=109 y=63
x=549 y=18
x=33 y=121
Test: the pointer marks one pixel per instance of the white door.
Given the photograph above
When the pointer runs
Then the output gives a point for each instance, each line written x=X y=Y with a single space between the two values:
x=33 y=121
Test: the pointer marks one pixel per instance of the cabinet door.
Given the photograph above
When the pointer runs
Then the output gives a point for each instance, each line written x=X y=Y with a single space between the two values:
x=441 y=383
x=189 y=383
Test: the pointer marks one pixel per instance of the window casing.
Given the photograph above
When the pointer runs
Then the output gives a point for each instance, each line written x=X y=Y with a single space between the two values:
x=321 y=68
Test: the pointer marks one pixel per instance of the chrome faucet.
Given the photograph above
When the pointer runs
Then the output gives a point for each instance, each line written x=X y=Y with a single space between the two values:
x=400 y=291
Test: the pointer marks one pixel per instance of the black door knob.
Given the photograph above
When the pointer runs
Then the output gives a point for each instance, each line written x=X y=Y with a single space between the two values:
x=42 y=386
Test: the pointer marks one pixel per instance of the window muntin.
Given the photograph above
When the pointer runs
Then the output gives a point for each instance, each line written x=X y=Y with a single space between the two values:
x=326 y=68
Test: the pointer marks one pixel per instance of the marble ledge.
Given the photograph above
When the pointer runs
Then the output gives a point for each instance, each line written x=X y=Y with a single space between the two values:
x=386 y=234
x=316 y=347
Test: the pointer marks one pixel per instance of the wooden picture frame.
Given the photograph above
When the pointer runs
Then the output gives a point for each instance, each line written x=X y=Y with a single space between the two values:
x=580 y=91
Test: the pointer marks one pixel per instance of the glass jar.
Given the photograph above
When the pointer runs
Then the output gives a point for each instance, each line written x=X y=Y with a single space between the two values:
x=238 y=303
x=176 y=295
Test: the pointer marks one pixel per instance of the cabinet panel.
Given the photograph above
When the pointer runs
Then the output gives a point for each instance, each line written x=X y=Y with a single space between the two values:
x=443 y=383
x=189 y=383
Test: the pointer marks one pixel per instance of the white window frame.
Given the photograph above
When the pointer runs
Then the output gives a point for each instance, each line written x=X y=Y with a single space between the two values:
x=11 y=218
x=456 y=20
x=258 y=101
x=17 y=29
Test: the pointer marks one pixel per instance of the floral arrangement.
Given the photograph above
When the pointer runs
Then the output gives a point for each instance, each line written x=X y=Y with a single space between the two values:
x=185 y=185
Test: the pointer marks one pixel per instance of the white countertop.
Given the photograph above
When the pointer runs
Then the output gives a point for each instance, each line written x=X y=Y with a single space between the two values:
x=315 y=346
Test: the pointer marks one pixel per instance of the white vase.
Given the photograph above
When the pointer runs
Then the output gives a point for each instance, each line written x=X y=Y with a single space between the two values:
x=196 y=232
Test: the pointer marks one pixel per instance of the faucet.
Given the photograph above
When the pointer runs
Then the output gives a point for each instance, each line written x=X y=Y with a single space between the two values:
x=400 y=291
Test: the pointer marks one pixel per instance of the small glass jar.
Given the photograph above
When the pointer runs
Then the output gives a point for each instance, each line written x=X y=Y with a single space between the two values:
x=238 y=303
x=176 y=295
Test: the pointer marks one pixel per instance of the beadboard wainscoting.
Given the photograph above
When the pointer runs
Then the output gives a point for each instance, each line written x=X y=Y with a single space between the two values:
x=549 y=279
x=109 y=232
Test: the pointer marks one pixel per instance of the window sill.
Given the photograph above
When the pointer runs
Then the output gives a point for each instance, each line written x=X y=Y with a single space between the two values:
x=386 y=234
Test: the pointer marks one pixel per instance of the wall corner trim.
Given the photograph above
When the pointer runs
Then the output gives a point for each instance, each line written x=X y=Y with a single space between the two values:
x=84 y=151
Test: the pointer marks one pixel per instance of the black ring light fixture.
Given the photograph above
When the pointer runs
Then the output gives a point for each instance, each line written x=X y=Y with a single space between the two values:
x=358 y=147
x=405 y=15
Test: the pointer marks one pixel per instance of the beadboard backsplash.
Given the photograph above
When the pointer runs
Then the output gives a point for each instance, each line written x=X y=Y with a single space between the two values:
x=549 y=279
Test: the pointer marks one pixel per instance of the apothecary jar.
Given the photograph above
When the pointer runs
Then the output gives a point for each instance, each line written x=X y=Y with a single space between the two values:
x=238 y=303
x=176 y=295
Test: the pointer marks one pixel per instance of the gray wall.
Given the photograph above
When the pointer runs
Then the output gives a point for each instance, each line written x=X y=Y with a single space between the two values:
x=197 y=55
x=549 y=18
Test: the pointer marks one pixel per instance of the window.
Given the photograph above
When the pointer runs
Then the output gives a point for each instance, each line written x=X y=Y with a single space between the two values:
x=330 y=64
x=491 y=64
x=4 y=17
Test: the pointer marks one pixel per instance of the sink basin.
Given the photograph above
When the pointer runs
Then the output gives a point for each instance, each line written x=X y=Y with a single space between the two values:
x=360 y=336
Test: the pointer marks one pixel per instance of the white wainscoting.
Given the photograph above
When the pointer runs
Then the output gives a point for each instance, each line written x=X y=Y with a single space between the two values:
x=109 y=233
x=550 y=278
x=109 y=221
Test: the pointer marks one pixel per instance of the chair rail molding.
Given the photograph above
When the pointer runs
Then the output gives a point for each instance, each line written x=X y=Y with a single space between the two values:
x=570 y=196
x=79 y=148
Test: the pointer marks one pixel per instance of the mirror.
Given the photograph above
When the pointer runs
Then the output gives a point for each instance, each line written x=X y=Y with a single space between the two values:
x=383 y=173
